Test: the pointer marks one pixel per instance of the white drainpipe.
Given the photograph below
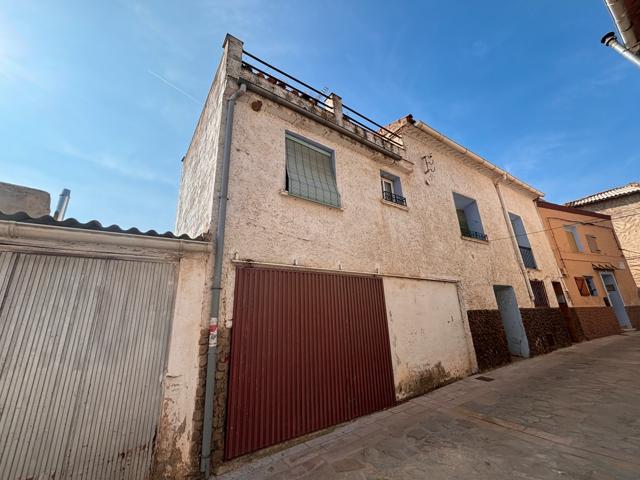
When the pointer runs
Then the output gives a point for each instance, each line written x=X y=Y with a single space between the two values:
x=514 y=241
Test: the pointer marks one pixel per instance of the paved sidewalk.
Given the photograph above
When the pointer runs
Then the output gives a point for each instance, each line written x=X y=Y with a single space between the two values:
x=572 y=414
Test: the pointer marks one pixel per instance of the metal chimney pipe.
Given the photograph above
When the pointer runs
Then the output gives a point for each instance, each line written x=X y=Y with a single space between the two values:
x=610 y=40
x=63 y=202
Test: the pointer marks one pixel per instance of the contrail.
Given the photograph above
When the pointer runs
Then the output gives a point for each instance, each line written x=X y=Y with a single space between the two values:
x=175 y=87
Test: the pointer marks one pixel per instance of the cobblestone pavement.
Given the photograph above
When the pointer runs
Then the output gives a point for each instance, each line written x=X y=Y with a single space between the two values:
x=572 y=414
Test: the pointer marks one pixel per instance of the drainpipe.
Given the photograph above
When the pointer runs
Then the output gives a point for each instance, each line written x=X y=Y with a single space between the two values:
x=207 y=427
x=512 y=235
x=610 y=40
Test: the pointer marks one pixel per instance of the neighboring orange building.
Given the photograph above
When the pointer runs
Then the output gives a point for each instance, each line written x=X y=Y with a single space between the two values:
x=597 y=286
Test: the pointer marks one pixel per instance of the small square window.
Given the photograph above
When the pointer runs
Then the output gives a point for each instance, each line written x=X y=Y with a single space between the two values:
x=540 y=298
x=573 y=238
x=593 y=291
x=593 y=244
x=392 y=189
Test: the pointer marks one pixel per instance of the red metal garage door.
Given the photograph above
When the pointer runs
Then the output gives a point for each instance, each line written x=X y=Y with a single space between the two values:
x=309 y=350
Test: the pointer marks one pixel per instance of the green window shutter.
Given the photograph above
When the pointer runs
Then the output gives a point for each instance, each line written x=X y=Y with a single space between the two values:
x=310 y=173
x=462 y=220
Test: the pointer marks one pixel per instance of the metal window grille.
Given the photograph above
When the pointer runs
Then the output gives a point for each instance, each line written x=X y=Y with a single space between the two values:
x=540 y=298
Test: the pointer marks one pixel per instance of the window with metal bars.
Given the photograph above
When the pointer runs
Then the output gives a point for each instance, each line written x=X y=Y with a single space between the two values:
x=540 y=298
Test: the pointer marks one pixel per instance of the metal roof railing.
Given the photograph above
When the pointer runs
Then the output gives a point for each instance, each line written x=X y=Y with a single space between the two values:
x=318 y=97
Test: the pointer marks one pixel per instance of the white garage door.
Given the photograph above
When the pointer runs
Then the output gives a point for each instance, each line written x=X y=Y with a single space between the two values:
x=83 y=345
x=430 y=342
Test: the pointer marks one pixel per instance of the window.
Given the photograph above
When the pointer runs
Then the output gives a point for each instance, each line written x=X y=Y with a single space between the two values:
x=593 y=244
x=468 y=217
x=392 y=189
x=311 y=171
x=586 y=286
x=573 y=238
x=540 y=298
x=593 y=291
x=523 y=241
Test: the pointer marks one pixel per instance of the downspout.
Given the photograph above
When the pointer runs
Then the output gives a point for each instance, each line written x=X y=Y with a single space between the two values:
x=512 y=235
x=610 y=40
x=207 y=427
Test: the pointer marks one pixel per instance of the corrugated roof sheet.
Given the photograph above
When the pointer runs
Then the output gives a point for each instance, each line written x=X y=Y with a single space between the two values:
x=628 y=189
x=94 y=225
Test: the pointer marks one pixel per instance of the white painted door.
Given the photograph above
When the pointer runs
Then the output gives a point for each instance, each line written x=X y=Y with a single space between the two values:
x=617 y=303
x=512 y=320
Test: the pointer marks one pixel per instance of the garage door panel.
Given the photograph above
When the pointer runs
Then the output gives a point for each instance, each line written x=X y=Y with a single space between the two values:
x=87 y=345
x=309 y=350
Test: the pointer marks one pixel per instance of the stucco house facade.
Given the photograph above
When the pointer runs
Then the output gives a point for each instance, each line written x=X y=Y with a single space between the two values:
x=597 y=295
x=623 y=205
x=359 y=264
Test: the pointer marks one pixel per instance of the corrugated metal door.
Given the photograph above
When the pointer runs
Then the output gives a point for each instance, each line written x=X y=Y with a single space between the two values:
x=83 y=344
x=309 y=350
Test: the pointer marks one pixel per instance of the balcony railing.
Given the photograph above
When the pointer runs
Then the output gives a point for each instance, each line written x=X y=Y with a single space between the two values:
x=392 y=197
x=476 y=235
x=527 y=257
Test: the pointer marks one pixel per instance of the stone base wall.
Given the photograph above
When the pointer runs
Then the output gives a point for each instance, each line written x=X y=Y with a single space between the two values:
x=546 y=330
x=634 y=315
x=593 y=322
x=489 y=340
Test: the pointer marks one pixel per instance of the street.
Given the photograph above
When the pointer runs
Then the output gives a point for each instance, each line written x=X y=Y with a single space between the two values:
x=571 y=414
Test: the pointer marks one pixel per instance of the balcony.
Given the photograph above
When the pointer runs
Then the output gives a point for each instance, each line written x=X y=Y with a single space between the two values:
x=527 y=257
x=475 y=235
x=392 y=197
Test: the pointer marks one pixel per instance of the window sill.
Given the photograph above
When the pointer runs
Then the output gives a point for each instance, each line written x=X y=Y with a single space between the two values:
x=397 y=205
x=474 y=240
x=287 y=194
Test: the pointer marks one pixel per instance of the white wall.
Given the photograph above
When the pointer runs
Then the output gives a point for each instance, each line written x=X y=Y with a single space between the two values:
x=430 y=341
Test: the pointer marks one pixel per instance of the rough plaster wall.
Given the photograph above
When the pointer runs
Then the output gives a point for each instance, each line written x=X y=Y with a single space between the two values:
x=16 y=198
x=195 y=202
x=180 y=428
x=429 y=342
x=634 y=316
x=626 y=221
x=265 y=225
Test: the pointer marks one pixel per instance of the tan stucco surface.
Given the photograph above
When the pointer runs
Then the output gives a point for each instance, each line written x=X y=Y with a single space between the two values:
x=625 y=214
x=579 y=264
x=16 y=198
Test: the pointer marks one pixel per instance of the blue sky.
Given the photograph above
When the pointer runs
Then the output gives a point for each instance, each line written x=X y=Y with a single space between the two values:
x=103 y=97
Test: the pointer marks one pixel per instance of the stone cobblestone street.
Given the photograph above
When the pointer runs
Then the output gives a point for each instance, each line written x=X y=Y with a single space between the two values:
x=572 y=414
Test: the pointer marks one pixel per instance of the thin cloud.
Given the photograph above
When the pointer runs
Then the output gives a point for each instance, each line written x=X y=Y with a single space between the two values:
x=175 y=87
x=121 y=166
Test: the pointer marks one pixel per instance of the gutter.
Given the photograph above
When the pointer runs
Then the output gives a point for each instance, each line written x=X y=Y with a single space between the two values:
x=207 y=428
x=30 y=231
x=476 y=158
x=514 y=241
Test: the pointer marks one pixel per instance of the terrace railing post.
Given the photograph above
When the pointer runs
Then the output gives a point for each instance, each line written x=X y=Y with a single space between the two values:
x=335 y=103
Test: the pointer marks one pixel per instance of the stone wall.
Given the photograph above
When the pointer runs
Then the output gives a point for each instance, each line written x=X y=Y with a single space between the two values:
x=594 y=322
x=16 y=198
x=489 y=340
x=634 y=315
x=546 y=330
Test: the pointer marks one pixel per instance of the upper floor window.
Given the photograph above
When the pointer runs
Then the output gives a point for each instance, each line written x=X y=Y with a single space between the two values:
x=573 y=238
x=392 y=189
x=311 y=172
x=468 y=217
x=586 y=286
x=593 y=244
x=523 y=241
